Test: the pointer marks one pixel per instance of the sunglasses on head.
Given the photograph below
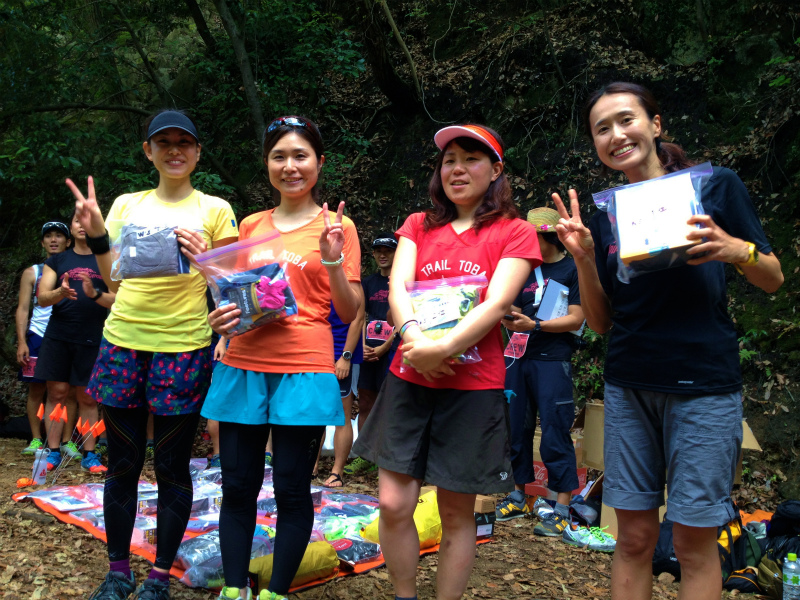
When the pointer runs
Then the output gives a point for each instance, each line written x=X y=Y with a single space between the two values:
x=284 y=121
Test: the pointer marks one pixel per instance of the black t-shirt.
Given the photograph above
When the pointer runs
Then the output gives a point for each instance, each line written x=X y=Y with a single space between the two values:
x=80 y=321
x=376 y=295
x=541 y=344
x=671 y=330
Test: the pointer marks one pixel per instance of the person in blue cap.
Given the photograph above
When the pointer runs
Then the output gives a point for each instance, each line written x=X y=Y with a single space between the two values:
x=155 y=356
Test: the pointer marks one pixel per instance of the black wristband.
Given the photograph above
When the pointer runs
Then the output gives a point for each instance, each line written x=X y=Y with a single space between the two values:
x=99 y=245
x=99 y=294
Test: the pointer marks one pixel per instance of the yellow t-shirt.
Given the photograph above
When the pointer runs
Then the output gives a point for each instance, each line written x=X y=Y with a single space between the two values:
x=166 y=314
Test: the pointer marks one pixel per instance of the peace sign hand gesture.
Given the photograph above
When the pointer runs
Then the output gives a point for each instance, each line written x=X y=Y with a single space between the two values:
x=87 y=210
x=575 y=236
x=331 y=240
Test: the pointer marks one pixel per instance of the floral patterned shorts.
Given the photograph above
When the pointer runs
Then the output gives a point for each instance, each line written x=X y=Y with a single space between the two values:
x=167 y=383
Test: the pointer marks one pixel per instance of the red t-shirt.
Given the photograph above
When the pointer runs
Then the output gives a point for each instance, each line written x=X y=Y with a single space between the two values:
x=441 y=253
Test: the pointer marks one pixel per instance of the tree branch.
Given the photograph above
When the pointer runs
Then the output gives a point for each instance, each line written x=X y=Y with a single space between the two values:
x=202 y=26
x=248 y=81
x=403 y=47
x=135 y=40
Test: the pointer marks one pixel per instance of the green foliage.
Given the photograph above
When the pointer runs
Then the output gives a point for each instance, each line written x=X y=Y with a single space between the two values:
x=587 y=367
x=746 y=350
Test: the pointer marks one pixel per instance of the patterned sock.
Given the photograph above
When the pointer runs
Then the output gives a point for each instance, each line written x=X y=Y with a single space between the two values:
x=121 y=566
x=159 y=575
x=562 y=510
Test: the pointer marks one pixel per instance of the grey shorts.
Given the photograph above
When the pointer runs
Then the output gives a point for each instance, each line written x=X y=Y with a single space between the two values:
x=455 y=439
x=691 y=443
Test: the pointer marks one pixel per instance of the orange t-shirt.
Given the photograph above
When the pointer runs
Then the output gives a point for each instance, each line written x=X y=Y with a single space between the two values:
x=305 y=346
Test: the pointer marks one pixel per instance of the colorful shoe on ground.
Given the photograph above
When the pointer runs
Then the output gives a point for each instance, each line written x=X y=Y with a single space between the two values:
x=553 y=525
x=232 y=593
x=265 y=595
x=593 y=538
x=101 y=448
x=513 y=506
x=601 y=541
x=542 y=508
x=267 y=459
x=214 y=463
x=115 y=587
x=152 y=589
x=149 y=450
x=360 y=466
x=577 y=536
x=91 y=462
x=53 y=459
x=31 y=448
x=70 y=450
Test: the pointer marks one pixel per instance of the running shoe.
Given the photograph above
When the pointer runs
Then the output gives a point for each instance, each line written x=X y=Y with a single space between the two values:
x=577 y=536
x=53 y=459
x=232 y=593
x=267 y=459
x=91 y=462
x=553 y=525
x=115 y=587
x=70 y=450
x=265 y=595
x=542 y=508
x=359 y=465
x=213 y=462
x=31 y=448
x=101 y=448
x=513 y=506
x=601 y=541
x=152 y=589
x=593 y=538
x=149 y=450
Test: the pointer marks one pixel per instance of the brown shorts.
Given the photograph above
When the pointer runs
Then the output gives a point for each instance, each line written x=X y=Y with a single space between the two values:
x=455 y=439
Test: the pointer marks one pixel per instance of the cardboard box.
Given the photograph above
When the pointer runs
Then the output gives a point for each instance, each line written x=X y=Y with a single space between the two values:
x=484 y=523
x=484 y=504
x=593 y=435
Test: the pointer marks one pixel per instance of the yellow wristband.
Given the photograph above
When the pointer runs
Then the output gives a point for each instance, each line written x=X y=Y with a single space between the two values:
x=752 y=258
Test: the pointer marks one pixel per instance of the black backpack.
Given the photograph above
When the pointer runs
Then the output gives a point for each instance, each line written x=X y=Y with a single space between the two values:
x=786 y=520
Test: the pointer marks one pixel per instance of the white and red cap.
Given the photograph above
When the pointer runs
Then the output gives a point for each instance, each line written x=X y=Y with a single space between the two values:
x=476 y=132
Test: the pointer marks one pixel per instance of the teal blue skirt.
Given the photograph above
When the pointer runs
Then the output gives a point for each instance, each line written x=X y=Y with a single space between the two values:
x=254 y=398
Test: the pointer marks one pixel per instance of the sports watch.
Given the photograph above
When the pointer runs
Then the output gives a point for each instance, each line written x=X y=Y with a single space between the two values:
x=538 y=325
x=347 y=355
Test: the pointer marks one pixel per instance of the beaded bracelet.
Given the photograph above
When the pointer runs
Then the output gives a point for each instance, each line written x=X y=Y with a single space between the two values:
x=332 y=263
x=406 y=325
x=99 y=245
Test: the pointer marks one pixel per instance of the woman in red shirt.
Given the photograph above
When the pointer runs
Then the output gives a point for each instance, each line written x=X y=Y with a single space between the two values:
x=446 y=423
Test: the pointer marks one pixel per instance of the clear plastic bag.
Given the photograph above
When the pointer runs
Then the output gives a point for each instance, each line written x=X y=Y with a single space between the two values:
x=354 y=551
x=439 y=305
x=252 y=275
x=649 y=220
x=197 y=550
x=145 y=251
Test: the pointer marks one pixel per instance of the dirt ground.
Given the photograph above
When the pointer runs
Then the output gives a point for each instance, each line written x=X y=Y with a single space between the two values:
x=43 y=558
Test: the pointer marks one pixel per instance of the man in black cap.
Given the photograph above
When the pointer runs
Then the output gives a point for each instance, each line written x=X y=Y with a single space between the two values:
x=55 y=239
x=380 y=342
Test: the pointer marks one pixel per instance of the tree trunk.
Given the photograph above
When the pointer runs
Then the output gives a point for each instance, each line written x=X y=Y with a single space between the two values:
x=162 y=91
x=403 y=97
x=701 y=20
x=248 y=81
x=403 y=47
x=202 y=26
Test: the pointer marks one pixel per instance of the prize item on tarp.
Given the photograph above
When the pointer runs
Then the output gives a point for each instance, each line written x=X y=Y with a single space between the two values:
x=252 y=275
x=439 y=305
x=426 y=519
x=145 y=251
x=649 y=220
